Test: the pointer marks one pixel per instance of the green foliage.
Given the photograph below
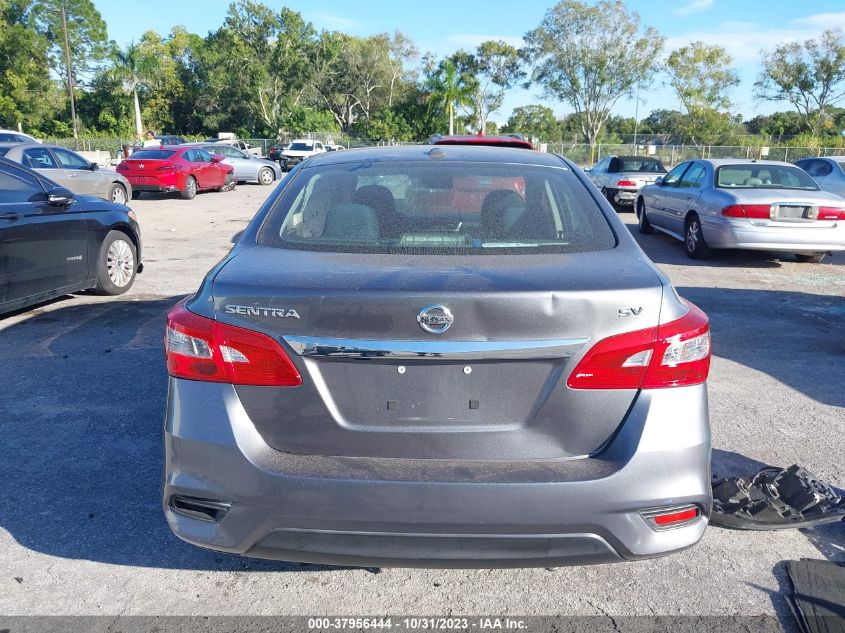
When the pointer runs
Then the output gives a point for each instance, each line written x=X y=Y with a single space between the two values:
x=701 y=76
x=535 y=121
x=809 y=75
x=590 y=56
x=86 y=31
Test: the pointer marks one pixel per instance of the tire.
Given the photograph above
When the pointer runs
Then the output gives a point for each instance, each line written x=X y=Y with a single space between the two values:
x=117 y=193
x=136 y=195
x=190 y=190
x=694 y=242
x=266 y=176
x=815 y=258
x=643 y=223
x=609 y=197
x=117 y=264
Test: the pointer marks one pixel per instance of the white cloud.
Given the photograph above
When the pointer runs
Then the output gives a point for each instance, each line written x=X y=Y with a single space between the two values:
x=693 y=6
x=744 y=40
x=470 y=40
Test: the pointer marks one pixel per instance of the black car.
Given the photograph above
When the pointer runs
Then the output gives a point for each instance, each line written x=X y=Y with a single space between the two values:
x=53 y=242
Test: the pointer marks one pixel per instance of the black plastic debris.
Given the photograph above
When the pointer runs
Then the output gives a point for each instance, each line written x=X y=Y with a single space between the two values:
x=817 y=599
x=775 y=499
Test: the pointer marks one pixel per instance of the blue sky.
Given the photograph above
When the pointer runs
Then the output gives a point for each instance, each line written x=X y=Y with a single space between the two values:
x=743 y=27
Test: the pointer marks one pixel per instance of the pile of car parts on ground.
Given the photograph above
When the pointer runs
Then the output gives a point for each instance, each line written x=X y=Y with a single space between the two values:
x=774 y=499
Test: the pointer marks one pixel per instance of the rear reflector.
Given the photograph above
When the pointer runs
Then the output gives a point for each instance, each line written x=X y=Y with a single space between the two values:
x=671 y=517
x=671 y=355
x=626 y=183
x=203 y=349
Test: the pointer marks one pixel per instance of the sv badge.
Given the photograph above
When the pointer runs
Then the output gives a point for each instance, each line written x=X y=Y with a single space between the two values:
x=626 y=312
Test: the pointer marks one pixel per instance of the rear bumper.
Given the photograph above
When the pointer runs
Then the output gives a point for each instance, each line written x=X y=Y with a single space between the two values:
x=438 y=513
x=625 y=197
x=739 y=233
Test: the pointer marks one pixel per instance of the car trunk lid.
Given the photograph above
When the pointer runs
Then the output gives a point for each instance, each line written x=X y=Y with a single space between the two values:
x=491 y=386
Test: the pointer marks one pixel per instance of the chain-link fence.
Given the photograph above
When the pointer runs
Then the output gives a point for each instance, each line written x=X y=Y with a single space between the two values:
x=580 y=153
x=671 y=155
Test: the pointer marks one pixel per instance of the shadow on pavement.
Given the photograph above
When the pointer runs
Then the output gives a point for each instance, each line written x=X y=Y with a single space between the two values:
x=665 y=249
x=795 y=337
x=81 y=419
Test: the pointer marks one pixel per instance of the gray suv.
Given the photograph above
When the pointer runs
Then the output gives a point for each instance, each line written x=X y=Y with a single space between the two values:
x=437 y=356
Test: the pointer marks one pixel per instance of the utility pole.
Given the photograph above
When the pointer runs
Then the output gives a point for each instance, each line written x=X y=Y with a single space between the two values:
x=70 y=79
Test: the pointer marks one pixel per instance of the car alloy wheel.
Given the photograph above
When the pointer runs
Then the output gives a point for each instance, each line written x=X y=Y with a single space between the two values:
x=191 y=186
x=118 y=195
x=120 y=263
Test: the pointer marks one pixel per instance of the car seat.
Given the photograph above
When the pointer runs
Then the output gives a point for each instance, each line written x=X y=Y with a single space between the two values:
x=500 y=209
x=351 y=222
x=381 y=201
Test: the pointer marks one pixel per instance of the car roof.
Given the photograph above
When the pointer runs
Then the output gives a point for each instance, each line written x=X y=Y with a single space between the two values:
x=719 y=162
x=474 y=153
x=636 y=158
x=481 y=139
x=837 y=157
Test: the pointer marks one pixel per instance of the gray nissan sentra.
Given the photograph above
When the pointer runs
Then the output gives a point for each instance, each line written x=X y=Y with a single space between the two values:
x=445 y=356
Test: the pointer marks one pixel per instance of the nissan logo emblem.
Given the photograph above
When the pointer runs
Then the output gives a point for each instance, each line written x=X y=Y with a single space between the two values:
x=435 y=319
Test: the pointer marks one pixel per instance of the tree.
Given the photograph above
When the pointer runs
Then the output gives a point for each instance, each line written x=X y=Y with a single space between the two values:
x=451 y=88
x=701 y=76
x=591 y=56
x=663 y=126
x=28 y=97
x=86 y=33
x=534 y=121
x=134 y=67
x=809 y=75
x=494 y=68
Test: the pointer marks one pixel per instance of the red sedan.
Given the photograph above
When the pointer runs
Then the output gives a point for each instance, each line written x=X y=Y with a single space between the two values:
x=173 y=168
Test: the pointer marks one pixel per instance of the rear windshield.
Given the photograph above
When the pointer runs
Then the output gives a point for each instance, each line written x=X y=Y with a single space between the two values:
x=152 y=154
x=443 y=207
x=763 y=177
x=648 y=165
x=301 y=147
x=8 y=137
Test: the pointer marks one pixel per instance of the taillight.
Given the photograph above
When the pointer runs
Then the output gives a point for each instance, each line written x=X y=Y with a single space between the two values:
x=198 y=348
x=753 y=211
x=670 y=355
x=831 y=213
x=166 y=168
x=626 y=183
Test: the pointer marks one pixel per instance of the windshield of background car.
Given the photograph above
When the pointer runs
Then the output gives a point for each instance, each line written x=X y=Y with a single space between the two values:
x=437 y=207
x=754 y=176
x=301 y=147
x=647 y=165
x=3 y=151
x=6 y=137
x=152 y=154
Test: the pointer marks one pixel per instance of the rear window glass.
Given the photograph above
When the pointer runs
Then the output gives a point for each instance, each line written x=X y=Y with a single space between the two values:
x=8 y=137
x=3 y=151
x=301 y=147
x=763 y=176
x=152 y=154
x=442 y=207
x=649 y=165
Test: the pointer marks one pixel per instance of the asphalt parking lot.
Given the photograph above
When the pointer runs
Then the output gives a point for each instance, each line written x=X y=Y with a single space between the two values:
x=82 y=532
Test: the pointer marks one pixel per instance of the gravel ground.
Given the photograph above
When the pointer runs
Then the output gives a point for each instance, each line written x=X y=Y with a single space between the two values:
x=82 y=533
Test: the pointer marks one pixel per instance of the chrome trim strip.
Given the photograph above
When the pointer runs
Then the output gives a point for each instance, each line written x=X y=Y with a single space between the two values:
x=446 y=350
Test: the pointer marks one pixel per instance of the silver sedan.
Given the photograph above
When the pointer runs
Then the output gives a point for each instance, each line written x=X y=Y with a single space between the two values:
x=69 y=170
x=748 y=204
x=621 y=177
x=248 y=168
x=827 y=171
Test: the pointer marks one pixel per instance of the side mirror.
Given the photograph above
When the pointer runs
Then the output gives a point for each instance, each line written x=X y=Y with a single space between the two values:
x=587 y=170
x=93 y=166
x=658 y=181
x=216 y=158
x=59 y=197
